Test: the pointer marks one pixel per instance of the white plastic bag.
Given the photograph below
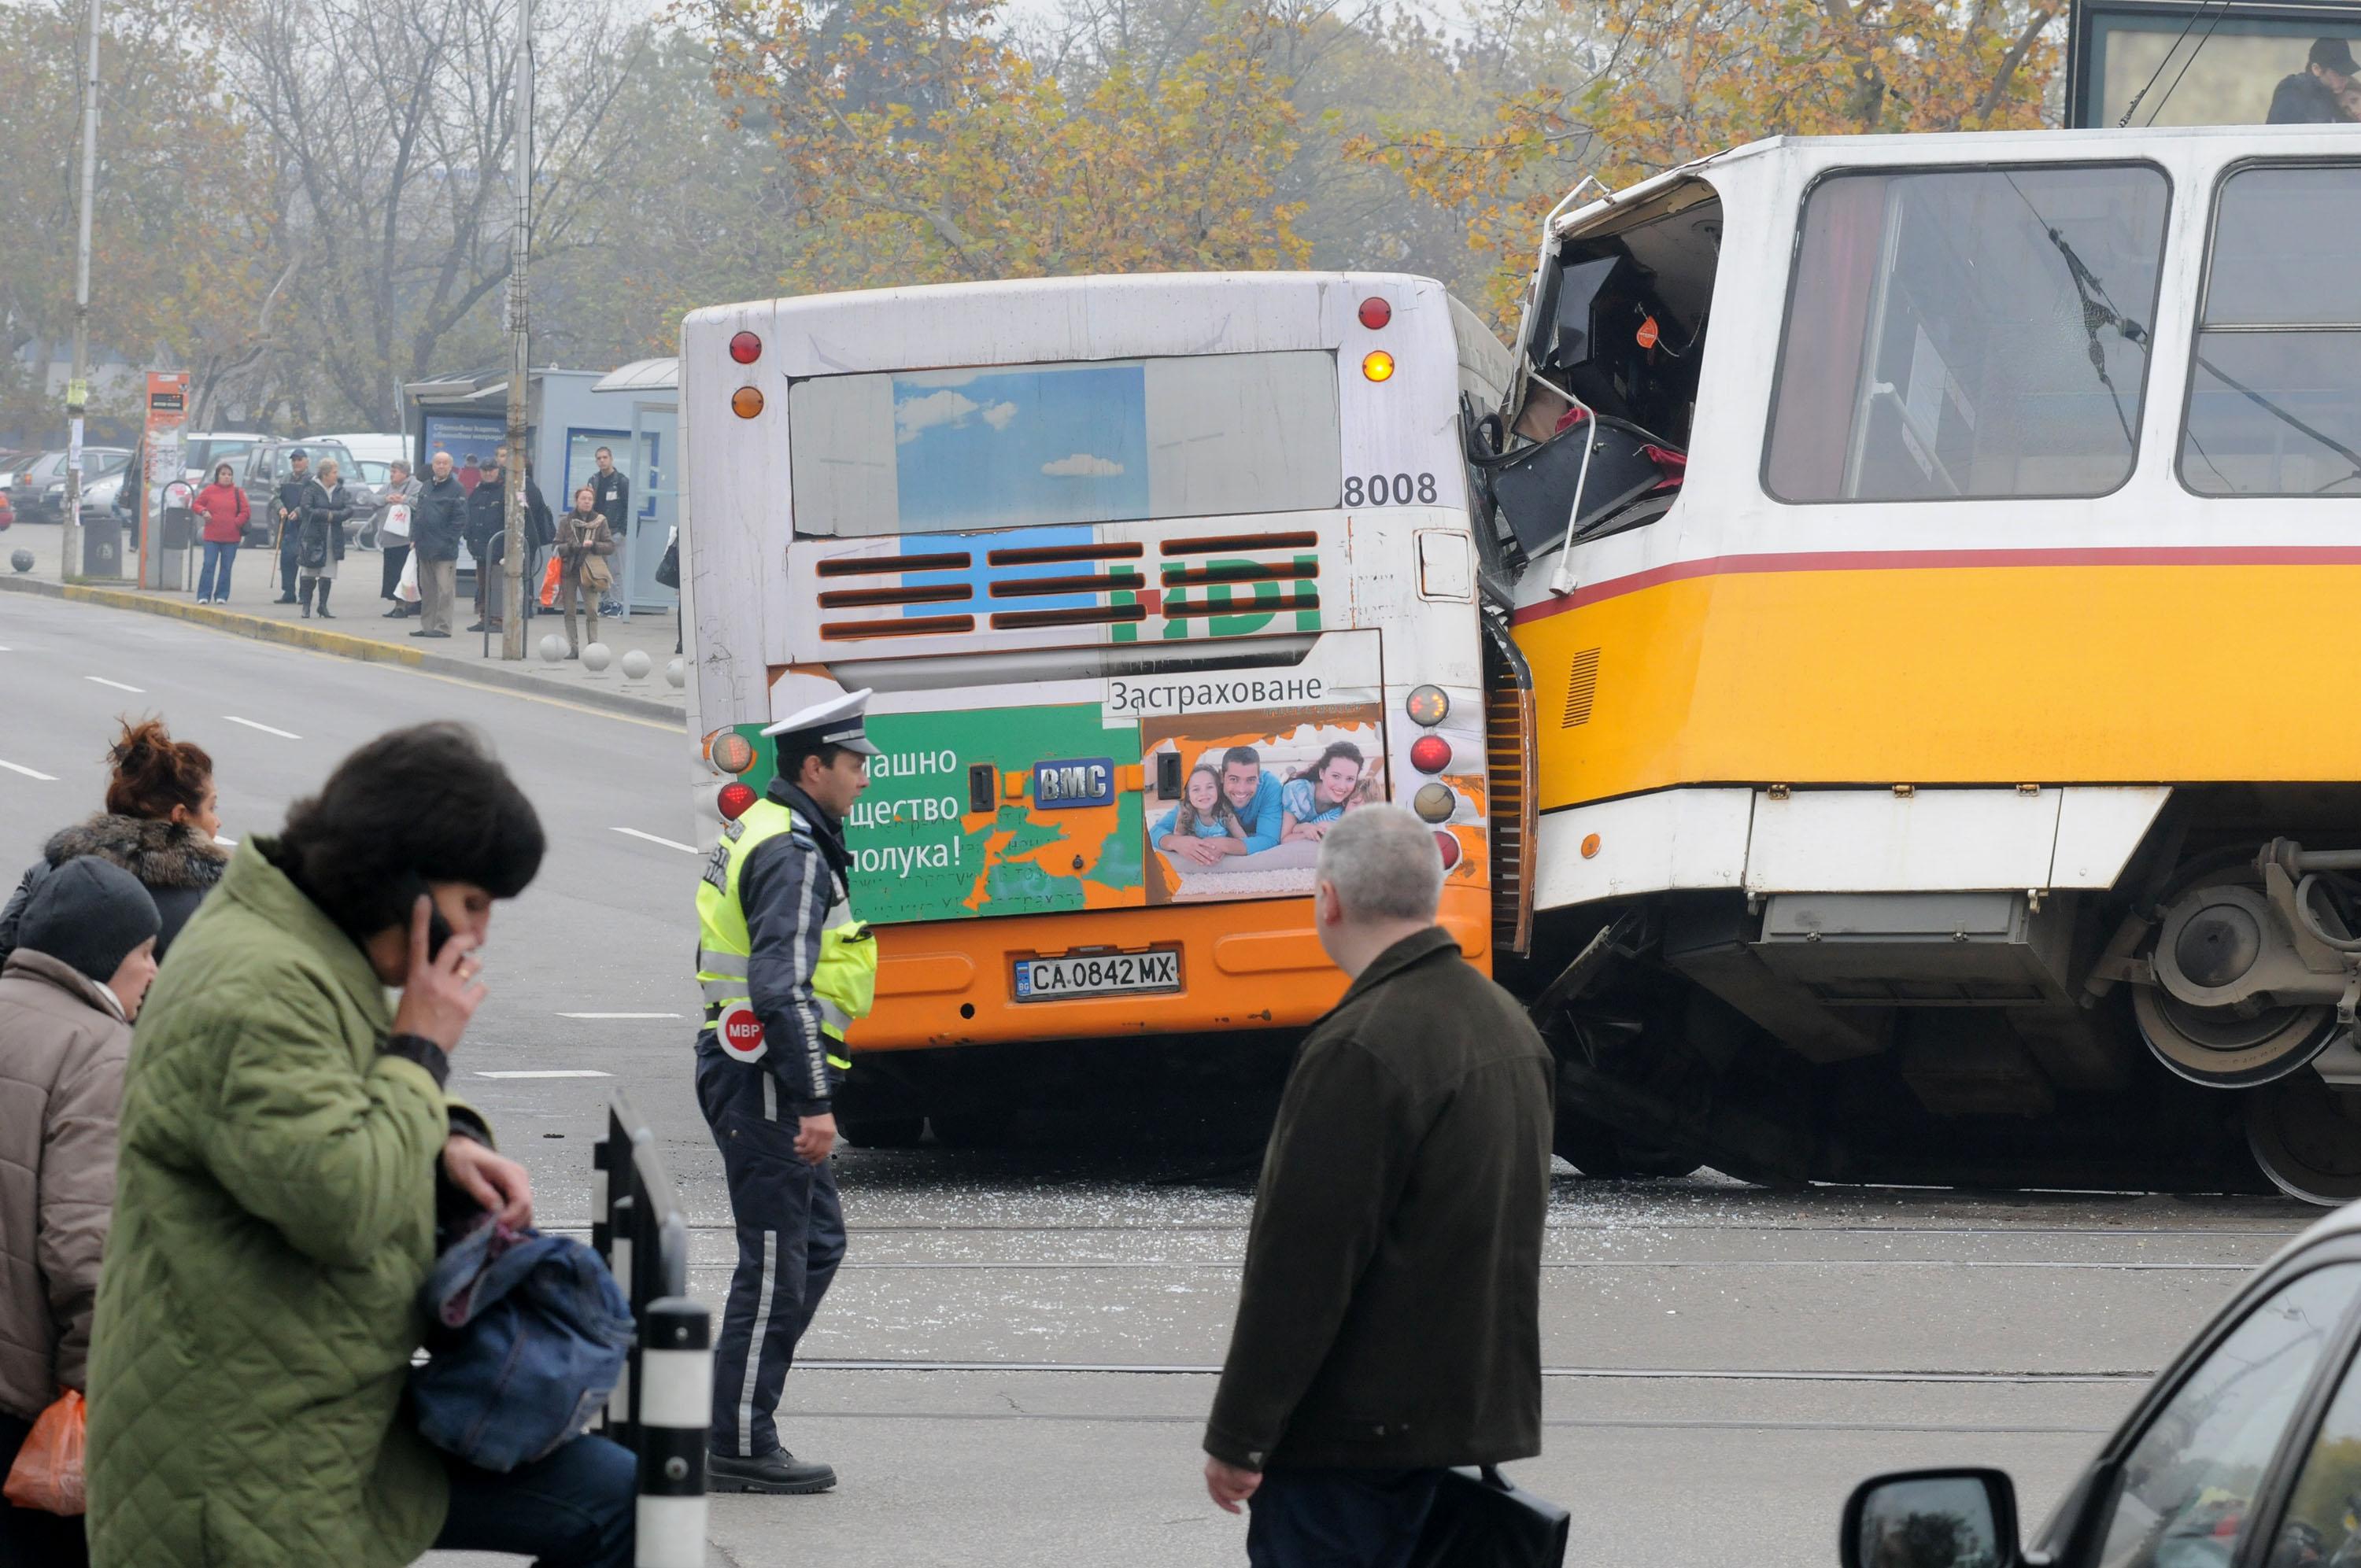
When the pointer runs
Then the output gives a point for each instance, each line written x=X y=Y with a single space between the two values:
x=396 y=525
x=406 y=588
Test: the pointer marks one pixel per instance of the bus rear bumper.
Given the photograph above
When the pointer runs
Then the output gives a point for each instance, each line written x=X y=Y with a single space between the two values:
x=1243 y=966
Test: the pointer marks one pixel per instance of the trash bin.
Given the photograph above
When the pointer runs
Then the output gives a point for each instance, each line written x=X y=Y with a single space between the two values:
x=102 y=546
x=175 y=537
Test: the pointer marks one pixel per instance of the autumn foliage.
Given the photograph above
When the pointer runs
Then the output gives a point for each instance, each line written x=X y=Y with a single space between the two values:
x=921 y=146
x=1676 y=80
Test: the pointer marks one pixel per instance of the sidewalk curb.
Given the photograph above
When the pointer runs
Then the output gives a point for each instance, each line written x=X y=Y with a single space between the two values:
x=344 y=645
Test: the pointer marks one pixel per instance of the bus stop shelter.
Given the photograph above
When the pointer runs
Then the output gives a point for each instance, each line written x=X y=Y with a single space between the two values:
x=569 y=415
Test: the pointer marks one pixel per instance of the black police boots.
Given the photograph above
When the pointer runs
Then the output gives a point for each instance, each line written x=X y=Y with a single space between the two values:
x=779 y=1472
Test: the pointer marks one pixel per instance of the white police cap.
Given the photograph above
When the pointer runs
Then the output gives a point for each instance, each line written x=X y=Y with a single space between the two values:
x=836 y=722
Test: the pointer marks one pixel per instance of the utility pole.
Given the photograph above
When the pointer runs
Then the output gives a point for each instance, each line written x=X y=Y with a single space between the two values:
x=77 y=385
x=514 y=587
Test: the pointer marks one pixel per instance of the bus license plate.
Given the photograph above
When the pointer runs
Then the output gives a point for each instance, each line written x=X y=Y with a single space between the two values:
x=1101 y=974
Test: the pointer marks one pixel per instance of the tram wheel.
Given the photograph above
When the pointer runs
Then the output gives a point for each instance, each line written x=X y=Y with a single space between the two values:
x=2238 y=1046
x=2306 y=1136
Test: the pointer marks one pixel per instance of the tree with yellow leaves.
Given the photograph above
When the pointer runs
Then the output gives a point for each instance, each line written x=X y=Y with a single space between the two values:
x=921 y=146
x=1657 y=82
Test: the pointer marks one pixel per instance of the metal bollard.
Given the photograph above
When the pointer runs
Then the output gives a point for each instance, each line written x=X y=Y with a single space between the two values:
x=676 y=1407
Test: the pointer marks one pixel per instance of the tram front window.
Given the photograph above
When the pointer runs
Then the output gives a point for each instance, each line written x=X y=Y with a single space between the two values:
x=2274 y=400
x=1956 y=335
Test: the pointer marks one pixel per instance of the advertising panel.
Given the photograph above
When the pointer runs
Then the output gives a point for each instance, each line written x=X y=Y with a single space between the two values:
x=1258 y=792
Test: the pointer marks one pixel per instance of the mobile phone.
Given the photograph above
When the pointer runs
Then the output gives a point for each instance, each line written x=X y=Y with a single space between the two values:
x=438 y=930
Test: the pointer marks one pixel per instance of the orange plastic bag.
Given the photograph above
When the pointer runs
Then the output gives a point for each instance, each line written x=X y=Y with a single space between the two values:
x=549 y=581
x=48 y=1472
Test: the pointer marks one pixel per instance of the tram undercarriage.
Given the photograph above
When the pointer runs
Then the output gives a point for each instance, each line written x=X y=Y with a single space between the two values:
x=2189 y=1030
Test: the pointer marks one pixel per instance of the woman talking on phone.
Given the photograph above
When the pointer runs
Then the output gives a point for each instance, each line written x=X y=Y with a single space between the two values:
x=285 y=1138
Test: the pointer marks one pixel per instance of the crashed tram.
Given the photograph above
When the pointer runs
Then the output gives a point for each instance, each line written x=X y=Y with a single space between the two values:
x=1925 y=557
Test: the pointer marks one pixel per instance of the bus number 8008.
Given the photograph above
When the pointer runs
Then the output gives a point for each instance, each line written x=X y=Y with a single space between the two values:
x=1399 y=489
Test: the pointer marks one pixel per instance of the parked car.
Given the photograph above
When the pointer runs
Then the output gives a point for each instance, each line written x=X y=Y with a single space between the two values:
x=201 y=451
x=374 y=454
x=2245 y=1450
x=38 y=493
x=267 y=463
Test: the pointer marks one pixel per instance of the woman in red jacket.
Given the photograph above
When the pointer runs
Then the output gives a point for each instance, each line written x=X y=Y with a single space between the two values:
x=224 y=507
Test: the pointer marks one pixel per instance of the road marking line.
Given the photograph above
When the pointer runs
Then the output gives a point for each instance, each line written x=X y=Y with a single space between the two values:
x=668 y=843
x=29 y=772
x=619 y=1014
x=552 y=1072
x=118 y=686
x=266 y=729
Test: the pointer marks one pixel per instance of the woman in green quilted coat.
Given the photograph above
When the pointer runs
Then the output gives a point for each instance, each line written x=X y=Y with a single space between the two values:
x=284 y=1136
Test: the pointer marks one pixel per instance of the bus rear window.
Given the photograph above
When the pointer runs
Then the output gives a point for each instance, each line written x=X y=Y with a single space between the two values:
x=1111 y=441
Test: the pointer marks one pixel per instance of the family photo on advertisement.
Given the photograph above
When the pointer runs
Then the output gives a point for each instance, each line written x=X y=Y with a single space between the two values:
x=1256 y=806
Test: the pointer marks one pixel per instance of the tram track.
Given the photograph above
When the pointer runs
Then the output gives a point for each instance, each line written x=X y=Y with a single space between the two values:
x=1601 y=1374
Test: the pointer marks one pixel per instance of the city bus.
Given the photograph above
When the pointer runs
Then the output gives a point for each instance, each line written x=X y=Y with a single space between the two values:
x=1152 y=578
x=1951 y=774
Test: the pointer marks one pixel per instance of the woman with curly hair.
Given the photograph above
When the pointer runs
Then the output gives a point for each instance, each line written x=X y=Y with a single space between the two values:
x=159 y=825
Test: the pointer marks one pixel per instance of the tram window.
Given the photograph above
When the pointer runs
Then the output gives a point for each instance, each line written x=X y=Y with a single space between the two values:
x=1957 y=335
x=2275 y=395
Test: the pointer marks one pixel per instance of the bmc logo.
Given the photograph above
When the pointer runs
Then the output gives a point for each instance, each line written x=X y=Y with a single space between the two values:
x=1085 y=782
x=741 y=1034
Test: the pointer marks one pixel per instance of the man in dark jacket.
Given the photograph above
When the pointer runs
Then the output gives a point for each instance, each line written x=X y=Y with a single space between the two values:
x=610 y=490
x=2311 y=98
x=487 y=517
x=438 y=521
x=287 y=515
x=1390 y=1321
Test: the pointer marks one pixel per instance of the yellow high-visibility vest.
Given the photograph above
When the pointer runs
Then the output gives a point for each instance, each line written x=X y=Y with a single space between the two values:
x=845 y=983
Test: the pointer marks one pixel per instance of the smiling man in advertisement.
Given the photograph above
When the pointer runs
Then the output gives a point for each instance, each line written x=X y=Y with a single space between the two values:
x=785 y=969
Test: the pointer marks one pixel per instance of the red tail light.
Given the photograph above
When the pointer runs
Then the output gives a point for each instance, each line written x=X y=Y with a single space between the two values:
x=1449 y=844
x=1430 y=753
x=735 y=800
x=1375 y=314
x=745 y=348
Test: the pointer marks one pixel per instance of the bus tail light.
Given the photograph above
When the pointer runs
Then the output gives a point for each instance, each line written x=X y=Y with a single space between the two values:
x=746 y=401
x=1430 y=753
x=736 y=798
x=1378 y=365
x=1375 y=312
x=1427 y=705
x=1449 y=844
x=745 y=348
x=728 y=753
x=1434 y=802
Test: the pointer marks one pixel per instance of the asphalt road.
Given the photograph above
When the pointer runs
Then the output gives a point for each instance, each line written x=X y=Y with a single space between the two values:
x=1014 y=1362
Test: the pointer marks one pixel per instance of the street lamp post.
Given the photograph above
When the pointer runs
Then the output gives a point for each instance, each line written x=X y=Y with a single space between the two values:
x=514 y=587
x=78 y=386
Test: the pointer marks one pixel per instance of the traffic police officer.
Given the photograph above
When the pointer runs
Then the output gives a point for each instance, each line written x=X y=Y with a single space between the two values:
x=785 y=968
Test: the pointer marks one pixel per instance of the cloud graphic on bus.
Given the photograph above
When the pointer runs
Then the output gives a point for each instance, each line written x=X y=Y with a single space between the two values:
x=913 y=417
x=1082 y=465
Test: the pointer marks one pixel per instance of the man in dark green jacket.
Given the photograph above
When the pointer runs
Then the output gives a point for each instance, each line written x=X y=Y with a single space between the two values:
x=1389 y=1322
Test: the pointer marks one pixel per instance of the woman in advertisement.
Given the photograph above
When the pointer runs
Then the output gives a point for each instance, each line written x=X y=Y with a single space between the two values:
x=1319 y=795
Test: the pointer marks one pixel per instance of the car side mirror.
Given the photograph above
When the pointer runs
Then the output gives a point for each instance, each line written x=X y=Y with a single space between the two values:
x=1932 y=1519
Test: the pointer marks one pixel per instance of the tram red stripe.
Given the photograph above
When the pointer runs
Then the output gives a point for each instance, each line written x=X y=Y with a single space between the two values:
x=1923 y=560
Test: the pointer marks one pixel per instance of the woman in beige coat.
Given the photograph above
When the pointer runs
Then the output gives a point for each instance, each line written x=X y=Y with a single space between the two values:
x=85 y=952
x=582 y=536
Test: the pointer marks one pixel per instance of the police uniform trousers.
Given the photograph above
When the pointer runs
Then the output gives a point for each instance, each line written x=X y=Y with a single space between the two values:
x=790 y=1240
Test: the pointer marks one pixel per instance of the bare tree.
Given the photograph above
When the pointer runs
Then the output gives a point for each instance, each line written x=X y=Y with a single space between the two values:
x=389 y=124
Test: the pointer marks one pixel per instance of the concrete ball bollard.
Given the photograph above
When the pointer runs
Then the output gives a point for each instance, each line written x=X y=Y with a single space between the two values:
x=597 y=657
x=552 y=649
x=636 y=664
x=22 y=561
x=676 y=674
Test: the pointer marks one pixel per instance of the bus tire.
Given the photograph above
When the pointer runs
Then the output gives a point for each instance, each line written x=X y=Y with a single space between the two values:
x=882 y=1132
